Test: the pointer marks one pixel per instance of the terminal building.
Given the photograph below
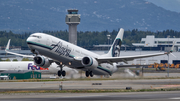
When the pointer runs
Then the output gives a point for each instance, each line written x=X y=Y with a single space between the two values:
x=162 y=44
x=150 y=43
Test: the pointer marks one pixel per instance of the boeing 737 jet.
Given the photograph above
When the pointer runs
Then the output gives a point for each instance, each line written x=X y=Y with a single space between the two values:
x=49 y=49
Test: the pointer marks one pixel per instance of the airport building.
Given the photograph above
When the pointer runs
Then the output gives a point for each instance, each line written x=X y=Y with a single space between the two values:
x=21 y=74
x=163 y=44
x=150 y=43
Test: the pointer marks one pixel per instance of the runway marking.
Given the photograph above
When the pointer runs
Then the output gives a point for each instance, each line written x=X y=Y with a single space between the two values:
x=175 y=98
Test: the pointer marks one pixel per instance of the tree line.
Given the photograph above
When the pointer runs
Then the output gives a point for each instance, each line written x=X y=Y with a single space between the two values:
x=87 y=38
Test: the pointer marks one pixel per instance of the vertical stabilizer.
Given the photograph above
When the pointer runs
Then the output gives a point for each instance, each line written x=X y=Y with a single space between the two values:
x=7 y=47
x=115 y=48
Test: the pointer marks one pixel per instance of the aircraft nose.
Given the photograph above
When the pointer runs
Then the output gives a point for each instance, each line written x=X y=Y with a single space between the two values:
x=30 y=40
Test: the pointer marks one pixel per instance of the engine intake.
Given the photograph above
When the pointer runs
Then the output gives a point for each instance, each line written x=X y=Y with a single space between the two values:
x=89 y=62
x=41 y=61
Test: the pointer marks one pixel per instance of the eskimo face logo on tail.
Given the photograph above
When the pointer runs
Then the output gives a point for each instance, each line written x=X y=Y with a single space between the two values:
x=116 y=48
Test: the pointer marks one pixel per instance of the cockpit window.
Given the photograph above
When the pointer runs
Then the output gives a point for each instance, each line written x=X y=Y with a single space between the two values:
x=35 y=36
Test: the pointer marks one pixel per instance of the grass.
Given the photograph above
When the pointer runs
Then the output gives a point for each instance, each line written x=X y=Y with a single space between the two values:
x=89 y=91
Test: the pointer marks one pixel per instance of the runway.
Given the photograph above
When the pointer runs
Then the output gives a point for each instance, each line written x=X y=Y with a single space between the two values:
x=91 y=84
x=128 y=96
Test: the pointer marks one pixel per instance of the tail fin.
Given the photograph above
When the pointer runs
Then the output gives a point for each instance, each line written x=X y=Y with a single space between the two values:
x=115 y=48
x=7 y=47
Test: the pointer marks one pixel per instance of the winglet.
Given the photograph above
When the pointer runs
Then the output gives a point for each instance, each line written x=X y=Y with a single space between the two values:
x=7 y=47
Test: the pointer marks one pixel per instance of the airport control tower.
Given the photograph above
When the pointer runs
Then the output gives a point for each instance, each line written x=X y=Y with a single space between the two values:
x=73 y=19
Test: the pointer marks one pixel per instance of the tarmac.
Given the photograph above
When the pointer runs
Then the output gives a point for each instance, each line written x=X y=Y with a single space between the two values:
x=127 y=96
x=91 y=84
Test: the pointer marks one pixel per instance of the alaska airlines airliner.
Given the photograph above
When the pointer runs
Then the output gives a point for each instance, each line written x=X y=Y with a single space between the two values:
x=50 y=49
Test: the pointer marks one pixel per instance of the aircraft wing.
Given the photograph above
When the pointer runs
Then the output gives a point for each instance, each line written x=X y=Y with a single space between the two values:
x=127 y=58
x=130 y=58
x=7 y=51
x=124 y=66
x=28 y=56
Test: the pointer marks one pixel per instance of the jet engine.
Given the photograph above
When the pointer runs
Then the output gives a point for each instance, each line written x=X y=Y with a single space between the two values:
x=41 y=61
x=89 y=62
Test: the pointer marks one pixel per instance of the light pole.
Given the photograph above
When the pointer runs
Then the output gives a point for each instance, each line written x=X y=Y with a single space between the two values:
x=168 y=66
x=108 y=37
x=168 y=57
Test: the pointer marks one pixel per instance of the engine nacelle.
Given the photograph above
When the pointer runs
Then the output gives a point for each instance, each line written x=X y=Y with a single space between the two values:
x=89 y=62
x=41 y=61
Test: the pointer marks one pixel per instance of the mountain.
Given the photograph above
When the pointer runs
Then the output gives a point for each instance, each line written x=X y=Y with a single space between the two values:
x=96 y=15
x=172 y=5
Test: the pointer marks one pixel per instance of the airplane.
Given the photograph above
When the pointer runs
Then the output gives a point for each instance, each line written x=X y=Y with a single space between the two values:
x=49 y=49
x=29 y=65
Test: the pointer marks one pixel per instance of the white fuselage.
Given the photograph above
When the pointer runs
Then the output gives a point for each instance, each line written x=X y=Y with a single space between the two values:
x=29 y=65
x=62 y=51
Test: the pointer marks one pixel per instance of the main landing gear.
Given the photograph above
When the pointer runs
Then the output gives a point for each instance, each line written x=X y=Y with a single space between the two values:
x=89 y=73
x=61 y=72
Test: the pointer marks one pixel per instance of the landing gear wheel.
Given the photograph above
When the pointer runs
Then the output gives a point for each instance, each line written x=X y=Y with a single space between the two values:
x=59 y=73
x=87 y=73
x=91 y=74
x=63 y=73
